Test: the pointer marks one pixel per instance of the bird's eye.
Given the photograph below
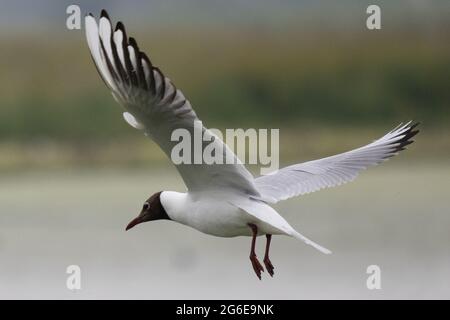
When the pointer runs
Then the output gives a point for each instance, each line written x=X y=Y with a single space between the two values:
x=146 y=206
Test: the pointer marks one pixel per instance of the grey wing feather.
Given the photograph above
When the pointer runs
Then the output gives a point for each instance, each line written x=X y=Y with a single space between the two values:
x=332 y=171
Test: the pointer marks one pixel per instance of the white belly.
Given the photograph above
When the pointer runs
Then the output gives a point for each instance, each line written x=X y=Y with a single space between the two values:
x=217 y=218
x=211 y=215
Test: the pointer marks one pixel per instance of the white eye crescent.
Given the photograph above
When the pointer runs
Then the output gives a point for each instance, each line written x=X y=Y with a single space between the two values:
x=146 y=206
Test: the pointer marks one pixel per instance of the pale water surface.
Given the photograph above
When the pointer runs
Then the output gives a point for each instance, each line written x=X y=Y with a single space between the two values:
x=394 y=216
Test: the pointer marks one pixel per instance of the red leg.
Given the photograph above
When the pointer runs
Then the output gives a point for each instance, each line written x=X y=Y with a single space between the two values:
x=267 y=263
x=255 y=263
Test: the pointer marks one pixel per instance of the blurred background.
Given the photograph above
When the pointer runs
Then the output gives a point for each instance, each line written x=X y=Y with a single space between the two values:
x=73 y=173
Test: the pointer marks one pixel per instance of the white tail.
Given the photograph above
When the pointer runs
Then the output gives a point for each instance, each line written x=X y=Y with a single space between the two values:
x=301 y=237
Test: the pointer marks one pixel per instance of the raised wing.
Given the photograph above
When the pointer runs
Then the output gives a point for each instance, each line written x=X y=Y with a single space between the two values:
x=333 y=171
x=153 y=104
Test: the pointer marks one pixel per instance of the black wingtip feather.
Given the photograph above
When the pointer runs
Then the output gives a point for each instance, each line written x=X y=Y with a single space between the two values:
x=163 y=83
x=140 y=72
x=415 y=125
x=151 y=84
x=104 y=14
x=406 y=140
x=128 y=74
x=120 y=26
x=133 y=43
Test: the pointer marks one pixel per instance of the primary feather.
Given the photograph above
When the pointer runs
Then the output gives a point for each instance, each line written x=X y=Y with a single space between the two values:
x=155 y=105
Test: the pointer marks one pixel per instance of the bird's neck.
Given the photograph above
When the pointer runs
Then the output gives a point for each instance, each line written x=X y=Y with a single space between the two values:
x=174 y=203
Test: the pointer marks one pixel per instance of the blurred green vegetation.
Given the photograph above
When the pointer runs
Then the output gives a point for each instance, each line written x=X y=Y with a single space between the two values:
x=307 y=84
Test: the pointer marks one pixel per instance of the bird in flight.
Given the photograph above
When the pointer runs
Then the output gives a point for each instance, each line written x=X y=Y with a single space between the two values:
x=223 y=200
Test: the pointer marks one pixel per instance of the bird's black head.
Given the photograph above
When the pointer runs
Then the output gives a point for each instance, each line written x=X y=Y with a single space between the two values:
x=151 y=210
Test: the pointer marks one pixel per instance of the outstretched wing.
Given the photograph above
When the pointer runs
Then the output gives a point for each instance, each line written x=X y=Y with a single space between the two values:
x=153 y=104
x=333 y=171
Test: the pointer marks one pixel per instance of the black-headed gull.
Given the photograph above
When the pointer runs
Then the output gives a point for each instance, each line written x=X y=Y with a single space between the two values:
x=223 y=200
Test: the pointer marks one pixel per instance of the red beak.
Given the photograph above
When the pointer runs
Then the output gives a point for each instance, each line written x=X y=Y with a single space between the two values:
x=133 y=222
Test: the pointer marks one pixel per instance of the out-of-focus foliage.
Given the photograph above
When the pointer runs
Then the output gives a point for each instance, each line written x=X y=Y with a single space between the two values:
x=246 y=79
x=327 y=87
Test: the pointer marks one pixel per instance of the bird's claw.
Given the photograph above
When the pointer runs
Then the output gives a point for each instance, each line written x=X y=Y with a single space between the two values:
x=257 y=267
x=269 y=266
